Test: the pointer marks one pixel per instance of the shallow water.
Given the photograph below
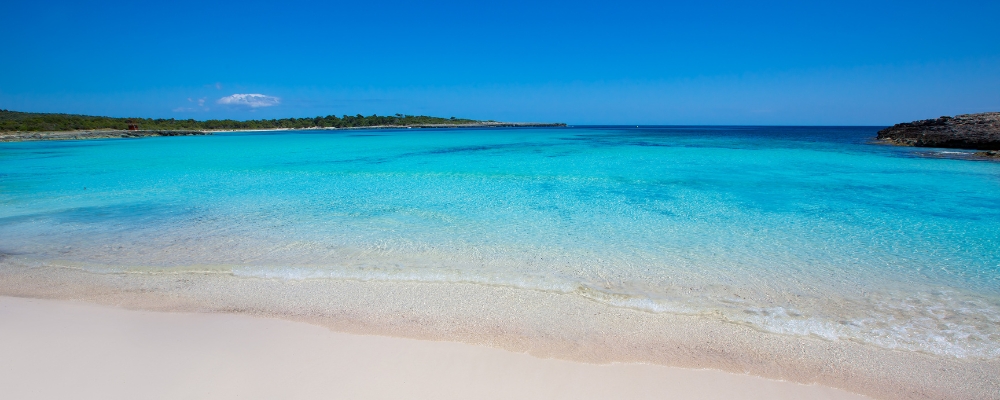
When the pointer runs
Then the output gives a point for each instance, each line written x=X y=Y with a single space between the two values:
x=801 y=231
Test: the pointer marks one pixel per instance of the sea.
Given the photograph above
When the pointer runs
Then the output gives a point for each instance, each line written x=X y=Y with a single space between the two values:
x=807 y=231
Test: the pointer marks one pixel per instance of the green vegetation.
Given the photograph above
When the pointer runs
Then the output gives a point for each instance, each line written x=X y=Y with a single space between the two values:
x=34 y=122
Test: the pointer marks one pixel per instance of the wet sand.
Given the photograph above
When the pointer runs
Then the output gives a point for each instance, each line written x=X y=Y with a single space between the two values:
x=569 y=336
x=59 y=349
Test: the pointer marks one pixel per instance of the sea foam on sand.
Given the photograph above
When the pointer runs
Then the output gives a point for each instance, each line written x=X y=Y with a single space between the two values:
x=55 y=349
x=542 y=324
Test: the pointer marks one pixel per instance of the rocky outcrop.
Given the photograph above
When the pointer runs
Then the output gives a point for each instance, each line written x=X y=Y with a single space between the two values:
x=967 y=131
x=91 y=134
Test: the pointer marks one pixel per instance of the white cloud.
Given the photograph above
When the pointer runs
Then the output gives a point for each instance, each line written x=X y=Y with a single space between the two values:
x=252 y=100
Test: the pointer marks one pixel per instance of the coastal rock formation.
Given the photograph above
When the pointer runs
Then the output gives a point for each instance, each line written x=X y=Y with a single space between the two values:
x=967 y=131
x=91 y=134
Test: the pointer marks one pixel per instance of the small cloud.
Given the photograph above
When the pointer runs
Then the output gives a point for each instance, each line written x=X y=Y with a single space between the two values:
x=252 y=100
x=201 y=102
x=218 y=85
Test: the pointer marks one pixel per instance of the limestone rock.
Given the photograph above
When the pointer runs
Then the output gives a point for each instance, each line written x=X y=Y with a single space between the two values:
x=967 y=131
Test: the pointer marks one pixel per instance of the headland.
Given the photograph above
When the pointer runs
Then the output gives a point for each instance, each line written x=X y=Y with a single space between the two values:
x=967 y=131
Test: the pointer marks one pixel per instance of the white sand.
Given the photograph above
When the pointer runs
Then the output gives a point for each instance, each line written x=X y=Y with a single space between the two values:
x=543 y=324
x=58 y=349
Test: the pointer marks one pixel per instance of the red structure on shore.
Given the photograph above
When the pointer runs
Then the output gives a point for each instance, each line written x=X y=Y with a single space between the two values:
x=132 y=125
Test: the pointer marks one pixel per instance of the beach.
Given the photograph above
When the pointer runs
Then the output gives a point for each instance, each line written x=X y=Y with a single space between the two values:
x=542 y=325
x=335 y=200
x=111 y=353
x=802 y=255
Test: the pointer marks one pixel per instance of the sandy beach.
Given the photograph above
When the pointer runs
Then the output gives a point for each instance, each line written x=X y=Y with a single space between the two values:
x=729 y=201
x=527 y=324
x=61 y=349
x=591 y=246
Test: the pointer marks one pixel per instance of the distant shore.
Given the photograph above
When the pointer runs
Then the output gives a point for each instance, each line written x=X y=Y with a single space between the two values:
x=92 y=134
x=967 y=131
x=20 y=136
x=469 y=125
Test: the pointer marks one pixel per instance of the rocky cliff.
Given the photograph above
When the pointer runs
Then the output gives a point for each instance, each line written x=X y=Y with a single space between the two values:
x=968 y=131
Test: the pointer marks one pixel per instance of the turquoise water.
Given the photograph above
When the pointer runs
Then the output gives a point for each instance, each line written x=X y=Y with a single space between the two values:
x=799 y=231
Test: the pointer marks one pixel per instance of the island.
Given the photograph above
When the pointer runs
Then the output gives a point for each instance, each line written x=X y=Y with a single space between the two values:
x=18 y=126
x=967 y=131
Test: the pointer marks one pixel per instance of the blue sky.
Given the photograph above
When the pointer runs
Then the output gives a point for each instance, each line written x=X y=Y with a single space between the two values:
x=582 y=62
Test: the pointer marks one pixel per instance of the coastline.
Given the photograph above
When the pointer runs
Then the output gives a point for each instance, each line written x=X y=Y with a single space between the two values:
x=418 y=126
x=543 y=324
x=966 y=131
x=471 y=125
x=92 y=134
x=191 y=355
x=125 y=134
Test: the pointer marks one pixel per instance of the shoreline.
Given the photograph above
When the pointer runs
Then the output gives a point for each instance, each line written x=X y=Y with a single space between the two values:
x=11 y=137
x=86 y=134
x=418 y=126
x=966 y=131
x=543 y=324
x=133 y=354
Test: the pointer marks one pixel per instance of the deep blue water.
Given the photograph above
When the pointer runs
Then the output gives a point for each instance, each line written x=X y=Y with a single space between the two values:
x=795 y=230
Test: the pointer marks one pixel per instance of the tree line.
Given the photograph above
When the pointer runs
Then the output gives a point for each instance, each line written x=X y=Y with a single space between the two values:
x=35 y=122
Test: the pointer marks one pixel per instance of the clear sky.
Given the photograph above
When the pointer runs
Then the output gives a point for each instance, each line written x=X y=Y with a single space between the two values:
x=580 y=62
